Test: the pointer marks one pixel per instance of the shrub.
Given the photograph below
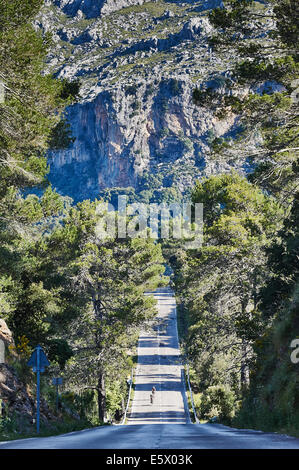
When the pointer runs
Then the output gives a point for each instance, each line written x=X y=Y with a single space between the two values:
x=131 y=90
x=135 y=105
x=219 y=401
x=175 y=87
x=164 y=132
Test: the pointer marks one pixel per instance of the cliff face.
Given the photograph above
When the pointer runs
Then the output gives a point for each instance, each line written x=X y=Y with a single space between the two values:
x=93 y=8
x=138 y=63
x=126 y=133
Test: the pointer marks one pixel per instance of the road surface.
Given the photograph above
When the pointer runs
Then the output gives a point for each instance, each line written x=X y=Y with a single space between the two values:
x=159 y=436
x=166 y=423
x=159 y=365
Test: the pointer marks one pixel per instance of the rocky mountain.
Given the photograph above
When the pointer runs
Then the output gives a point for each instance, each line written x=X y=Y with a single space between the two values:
x=94 y=8
x=136 y=124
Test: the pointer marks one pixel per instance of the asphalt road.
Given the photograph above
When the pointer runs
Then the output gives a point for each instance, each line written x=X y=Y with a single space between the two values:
x=159 y=365
x=165 y=424
x=159 y=436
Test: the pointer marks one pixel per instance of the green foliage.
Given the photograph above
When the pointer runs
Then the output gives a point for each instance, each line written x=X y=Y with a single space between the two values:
x=151 y=181
x=281 y=69
x=111 y=195
x=218 y=401
x=282 y=263
x=230 y=200
x=17 y=426
x=273 y=117
x=31 y=112
x=13 y=426
x=61 y=286
x=61 y=136
x=70 y=89
x=200 y=96
x=286 y=12
x=108 y=278
x=82 y=297
x=58 y=350
x=131 y=90
x=187 y=143
x=236 y=18
x=272 y=401
x=14 y=14
x=149 y=90
x=135 y=105
x=164 y=132
x=219 y=283
x=239 y=291
x=175 y=87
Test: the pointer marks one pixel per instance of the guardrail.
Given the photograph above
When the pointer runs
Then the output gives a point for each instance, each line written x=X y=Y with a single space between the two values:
x=129 y=398
x=191 y=396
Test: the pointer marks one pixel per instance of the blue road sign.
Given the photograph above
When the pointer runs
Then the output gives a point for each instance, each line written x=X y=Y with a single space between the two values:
x=57 y=381
x=43 y=361
x=38 y=361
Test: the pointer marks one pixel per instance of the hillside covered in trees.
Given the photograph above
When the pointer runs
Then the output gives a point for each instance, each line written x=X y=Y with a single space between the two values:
x=79 y=296
x=239 y=293
x=82 y=296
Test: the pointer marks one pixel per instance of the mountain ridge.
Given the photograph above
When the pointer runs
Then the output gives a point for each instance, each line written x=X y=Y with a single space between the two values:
x=138 y=67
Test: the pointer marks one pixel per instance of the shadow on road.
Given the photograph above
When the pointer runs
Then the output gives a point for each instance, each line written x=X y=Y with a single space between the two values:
x=153 y=359
x=159 y=416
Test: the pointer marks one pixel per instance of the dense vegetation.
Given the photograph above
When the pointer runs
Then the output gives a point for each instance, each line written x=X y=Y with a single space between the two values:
x=239 y=292
x=61 y=285
x=81 y=296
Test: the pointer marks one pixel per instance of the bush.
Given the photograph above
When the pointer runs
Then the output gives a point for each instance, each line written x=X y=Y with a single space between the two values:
x=218 y=401
x=131 y=90
x=164 y=132
x=175 y=87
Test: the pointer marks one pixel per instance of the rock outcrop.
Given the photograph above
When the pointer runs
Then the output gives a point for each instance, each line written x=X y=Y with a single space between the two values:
x=94 y=8
x=138 y=63
x=14 y=394
x=6 y=340
x=16 y=397
x=5 y=333
x=126 y=133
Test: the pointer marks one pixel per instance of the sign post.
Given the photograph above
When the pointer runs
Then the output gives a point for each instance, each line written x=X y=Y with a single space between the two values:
x=38 y=361
x=57 y=381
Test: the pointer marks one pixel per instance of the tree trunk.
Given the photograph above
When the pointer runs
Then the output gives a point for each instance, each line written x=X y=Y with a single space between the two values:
x=101 y=397
x=244 y=371
x=244 y=375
